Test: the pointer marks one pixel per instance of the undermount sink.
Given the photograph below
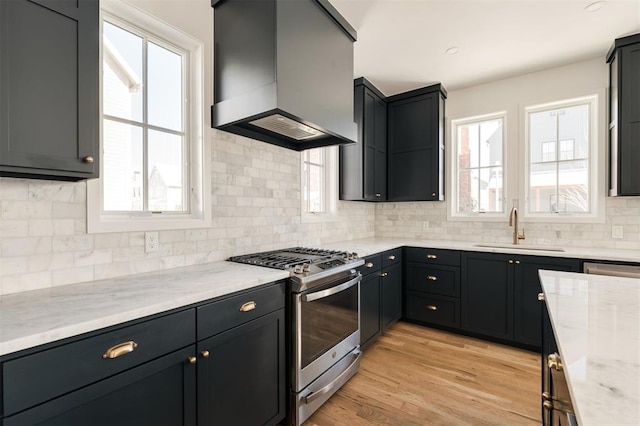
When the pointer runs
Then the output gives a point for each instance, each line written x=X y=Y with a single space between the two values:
x=519 y=246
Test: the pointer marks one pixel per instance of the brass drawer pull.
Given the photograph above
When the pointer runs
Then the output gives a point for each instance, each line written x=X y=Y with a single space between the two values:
x=510 y=261
x=541 y=297
x=205 y=354
x=369 y=265
x=554 y=361
x=432 y=307
x=119 y=350
x=517 y=262
x=432 y=256
x=432 y=278
x=192 y=360
x=378 y=194
x=249 y=306
x=548 y=405
x=392 y=257
x=384 y=274
x=88 y=159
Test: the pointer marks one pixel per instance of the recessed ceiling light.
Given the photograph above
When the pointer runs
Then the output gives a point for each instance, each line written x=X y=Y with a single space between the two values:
x=452 y=50
x=595 y=6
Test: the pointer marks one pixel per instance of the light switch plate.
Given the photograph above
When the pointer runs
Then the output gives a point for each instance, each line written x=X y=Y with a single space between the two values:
x=617 y=232
x=151 y=242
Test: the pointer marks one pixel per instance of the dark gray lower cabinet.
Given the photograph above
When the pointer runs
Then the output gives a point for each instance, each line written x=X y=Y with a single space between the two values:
x=160 y=392
x=499 y=294
x=370 y=293
x=391 y=284
x=241 y=380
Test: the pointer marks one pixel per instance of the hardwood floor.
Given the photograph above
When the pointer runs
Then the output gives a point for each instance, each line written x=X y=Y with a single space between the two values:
x=420 y=376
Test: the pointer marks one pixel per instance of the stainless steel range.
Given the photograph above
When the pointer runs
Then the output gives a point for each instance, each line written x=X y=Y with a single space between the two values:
x=325 y=321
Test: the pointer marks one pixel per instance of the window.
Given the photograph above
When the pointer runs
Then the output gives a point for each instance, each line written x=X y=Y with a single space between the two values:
x=558 y=171
x=479 y=165
x=152 y=162
x=319 y=183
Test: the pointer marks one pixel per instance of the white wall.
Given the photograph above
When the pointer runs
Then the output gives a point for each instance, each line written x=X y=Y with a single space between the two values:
x=429 y=219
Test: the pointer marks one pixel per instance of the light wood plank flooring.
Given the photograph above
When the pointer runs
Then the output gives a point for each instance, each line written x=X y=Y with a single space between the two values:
x=420 y=376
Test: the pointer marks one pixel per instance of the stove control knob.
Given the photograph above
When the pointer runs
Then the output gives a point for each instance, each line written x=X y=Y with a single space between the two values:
x=298 y=269
x=306 y=267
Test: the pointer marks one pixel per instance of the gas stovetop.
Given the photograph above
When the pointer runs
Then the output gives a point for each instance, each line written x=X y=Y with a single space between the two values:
x=306 y=265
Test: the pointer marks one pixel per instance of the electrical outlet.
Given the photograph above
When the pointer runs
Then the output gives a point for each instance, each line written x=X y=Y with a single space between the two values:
x=617 y=232
x=151 y=242
x=425 y=225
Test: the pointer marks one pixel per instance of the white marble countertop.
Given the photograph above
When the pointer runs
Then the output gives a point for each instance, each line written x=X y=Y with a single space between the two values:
x=37 y=317
x=596 y=321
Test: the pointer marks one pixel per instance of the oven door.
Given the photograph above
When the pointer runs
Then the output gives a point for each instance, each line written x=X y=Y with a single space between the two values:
x=327 y=327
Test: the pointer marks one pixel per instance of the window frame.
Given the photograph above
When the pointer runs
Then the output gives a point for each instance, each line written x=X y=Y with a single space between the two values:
x=197 y=213
x=330 y=186
x=452 y=204
x=595 y=160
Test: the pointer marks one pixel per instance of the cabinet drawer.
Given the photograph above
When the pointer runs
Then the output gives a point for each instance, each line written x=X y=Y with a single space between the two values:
x=372 y=264
x=435 y=256
x=442 y=280
x=391 y=257
x=44 y=375
x=222 y=315
x=433 y=309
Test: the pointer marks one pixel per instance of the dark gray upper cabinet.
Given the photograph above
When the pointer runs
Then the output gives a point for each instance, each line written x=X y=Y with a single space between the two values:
x=624 y=116
x=363 y=165
x=49 y=89
x=416 y=145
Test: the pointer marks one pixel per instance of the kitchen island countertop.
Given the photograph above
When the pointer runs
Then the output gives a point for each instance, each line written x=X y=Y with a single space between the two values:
x=596 y=322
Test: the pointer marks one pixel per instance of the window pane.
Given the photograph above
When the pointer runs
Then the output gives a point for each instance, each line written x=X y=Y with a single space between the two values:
x=491 y=143
x=122 y=73
x=468 y=191
x=314 y=156
x=543 y=187
x=573 y=124
x=122 y=164
x=542 y=136
x=468 y=155
x=164 y=71
x=166 y=172
x=491 y=189
x=572 y=181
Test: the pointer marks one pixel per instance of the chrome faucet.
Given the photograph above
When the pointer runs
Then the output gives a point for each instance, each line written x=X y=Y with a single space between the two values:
x=513 y=221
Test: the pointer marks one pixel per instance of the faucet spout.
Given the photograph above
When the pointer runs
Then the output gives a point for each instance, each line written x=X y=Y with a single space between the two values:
x=513 y=221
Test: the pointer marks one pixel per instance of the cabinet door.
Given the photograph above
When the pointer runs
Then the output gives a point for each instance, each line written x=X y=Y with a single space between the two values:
x=413 y=157
x=487 y=294
x=369 y=308
x=629 y=120
x=160 y=392
x=49 y=88
x=241 y=381
x=380 y=149
x=391 y=295
x=527 y=312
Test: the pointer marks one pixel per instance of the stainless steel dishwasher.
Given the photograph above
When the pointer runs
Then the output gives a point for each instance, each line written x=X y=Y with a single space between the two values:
x=611 y=269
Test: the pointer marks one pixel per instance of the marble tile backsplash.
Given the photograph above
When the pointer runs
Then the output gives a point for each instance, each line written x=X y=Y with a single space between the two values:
x=255 y=200
x=429 y=220
x=255 y=207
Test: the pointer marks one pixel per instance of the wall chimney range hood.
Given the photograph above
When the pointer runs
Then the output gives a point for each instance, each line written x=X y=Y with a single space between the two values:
x=283 y=72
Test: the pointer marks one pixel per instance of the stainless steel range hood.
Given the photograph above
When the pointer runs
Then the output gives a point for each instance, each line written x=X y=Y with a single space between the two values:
x=283 y=72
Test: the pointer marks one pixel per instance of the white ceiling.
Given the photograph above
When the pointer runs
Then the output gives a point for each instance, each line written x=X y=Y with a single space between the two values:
x=401 y=43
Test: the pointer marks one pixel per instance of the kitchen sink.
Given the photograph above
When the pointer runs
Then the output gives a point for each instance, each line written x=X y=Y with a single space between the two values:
x=520 y=246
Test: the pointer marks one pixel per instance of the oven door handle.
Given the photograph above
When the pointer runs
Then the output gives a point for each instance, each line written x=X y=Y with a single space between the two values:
x=310 y=297
x=336 y=382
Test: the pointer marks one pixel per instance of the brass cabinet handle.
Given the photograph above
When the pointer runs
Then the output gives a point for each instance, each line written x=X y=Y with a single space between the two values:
x=510 y=261
x=369 y=265
x=554 y=361
x=548 y=405
x=392 y=257
x=541 y=297
x=249 y=306
x=384 y=274
x=517 y=262
x=88 y=159
x=378 y=194
x=432 y=256
x=119 y=350
x=432 y=278
x=205 y=354
x=433 y=194
x=432 y=307
x=546 y=396
x=192 y=360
